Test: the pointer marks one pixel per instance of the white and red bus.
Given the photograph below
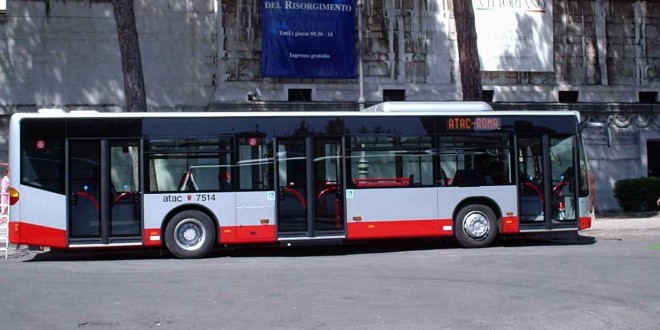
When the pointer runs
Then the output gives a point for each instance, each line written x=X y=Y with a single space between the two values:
x=192 y=181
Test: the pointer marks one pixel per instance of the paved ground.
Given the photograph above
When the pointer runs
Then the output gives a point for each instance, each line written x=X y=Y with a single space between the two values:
x=608 y=226
x=604 y=226
x=626 y=222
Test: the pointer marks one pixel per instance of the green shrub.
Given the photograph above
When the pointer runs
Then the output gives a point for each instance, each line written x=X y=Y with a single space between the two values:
x=636 y=195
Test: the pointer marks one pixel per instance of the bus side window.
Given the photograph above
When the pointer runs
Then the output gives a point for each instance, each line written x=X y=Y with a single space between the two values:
x=187 y=182
x=254 y=164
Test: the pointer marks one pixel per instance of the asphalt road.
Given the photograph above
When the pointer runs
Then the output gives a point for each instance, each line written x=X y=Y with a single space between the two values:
x=603 y=279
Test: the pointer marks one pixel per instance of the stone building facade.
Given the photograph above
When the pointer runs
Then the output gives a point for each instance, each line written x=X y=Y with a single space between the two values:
x=205 y=55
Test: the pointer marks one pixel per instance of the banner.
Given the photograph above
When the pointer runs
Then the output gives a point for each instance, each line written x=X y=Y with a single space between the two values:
x=308 y=39
x=514 y=35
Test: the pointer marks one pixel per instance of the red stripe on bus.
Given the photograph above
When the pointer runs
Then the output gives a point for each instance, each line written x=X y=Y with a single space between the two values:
x=584 y=223
x=30 y=234
x=152 y=237
x=247 y=234
x=399 y=229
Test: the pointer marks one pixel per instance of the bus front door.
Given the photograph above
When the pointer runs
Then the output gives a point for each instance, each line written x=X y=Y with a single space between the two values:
x=547 y=183
x=310 y=198
x=105 y=199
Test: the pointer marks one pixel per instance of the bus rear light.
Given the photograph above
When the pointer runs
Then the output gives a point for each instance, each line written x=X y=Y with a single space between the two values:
x=584 y=223
x=13 y=196
x=510 y=225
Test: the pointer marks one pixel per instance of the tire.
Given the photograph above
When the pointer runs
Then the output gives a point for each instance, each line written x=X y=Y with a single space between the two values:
x=475 y=226
x=190 y=234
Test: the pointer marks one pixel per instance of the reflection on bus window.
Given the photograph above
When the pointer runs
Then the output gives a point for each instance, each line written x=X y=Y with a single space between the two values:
x=42 y=164
x=255 y=161
x=475 y=160
x=202 y=165
x=562 y=163
x=384 y=161
x=530 y=160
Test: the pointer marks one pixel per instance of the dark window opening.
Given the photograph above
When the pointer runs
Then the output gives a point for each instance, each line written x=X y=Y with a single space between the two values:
x=653 y=158
x=568 y=96
x=394 y=95
x=300 y=95
x=648 y=97
x=487 y=95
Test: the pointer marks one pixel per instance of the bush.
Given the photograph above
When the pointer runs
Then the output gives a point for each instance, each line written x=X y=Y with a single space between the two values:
x=637 y=195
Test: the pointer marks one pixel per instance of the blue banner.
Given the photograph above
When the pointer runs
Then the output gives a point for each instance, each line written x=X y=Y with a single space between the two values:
x=308 y=38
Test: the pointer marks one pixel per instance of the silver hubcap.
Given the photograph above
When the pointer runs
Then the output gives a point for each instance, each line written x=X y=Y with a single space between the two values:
x=189 y=234
x=475 y=224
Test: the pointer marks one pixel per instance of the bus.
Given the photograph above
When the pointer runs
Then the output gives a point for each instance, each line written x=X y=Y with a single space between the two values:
x=190 y=182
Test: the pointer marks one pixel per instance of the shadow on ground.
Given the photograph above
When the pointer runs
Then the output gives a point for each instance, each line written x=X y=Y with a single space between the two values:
x=371 y=247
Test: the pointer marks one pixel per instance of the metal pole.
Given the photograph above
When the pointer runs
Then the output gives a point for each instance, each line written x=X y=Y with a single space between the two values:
x=361 y=100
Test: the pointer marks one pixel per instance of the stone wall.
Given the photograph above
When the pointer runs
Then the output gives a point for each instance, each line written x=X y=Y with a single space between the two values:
x=205 y=53
x=607 y=51
x=65 y=53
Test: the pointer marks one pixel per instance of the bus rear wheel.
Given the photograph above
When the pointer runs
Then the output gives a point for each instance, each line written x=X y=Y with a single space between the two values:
x=475 y=226
x=190 y=234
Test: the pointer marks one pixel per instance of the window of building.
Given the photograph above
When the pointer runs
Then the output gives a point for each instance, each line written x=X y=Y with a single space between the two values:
x=568 y=96
x=648 y=97
x=487 y=95
x=300 y=95
x=394 y=95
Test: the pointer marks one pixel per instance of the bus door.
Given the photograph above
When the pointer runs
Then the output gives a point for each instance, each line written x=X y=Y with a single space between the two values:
x=547 y=183
x=310 y=198
x=104 y=191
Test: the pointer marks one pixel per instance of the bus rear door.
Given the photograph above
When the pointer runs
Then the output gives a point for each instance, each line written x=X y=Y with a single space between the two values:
x=309 y=176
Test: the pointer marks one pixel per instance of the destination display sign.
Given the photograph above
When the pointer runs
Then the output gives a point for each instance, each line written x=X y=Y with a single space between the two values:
x=473 y=123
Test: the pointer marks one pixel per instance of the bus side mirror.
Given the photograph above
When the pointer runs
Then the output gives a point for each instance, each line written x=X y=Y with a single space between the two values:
x=590 y=124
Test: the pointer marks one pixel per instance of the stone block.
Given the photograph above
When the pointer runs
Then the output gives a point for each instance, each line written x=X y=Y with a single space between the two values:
x=154 y=25
x=523 y=93
x=182 y=5
x=70 y=9
x=599 y=94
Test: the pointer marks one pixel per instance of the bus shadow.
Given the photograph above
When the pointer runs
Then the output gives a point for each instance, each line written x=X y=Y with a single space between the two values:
x=354 y=248
x=544 y=239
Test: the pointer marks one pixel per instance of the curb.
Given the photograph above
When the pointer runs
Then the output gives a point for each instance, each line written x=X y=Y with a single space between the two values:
x=634 y=221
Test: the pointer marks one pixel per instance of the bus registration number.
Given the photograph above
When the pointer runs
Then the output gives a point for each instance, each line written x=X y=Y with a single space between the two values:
x=190 y=198
x=204 y=197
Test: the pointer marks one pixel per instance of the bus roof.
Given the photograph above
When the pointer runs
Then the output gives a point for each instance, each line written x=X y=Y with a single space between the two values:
x=429 y=107
x=382 y=109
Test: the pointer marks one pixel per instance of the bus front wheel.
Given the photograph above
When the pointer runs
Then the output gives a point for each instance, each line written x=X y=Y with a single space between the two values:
x=475 y=226
x=190 y=234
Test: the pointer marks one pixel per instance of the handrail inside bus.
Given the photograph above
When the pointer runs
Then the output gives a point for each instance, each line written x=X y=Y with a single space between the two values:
x=382 y=182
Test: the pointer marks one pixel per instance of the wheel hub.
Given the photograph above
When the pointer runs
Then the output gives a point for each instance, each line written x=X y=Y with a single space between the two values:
x=189 y=234
x=476 y=225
